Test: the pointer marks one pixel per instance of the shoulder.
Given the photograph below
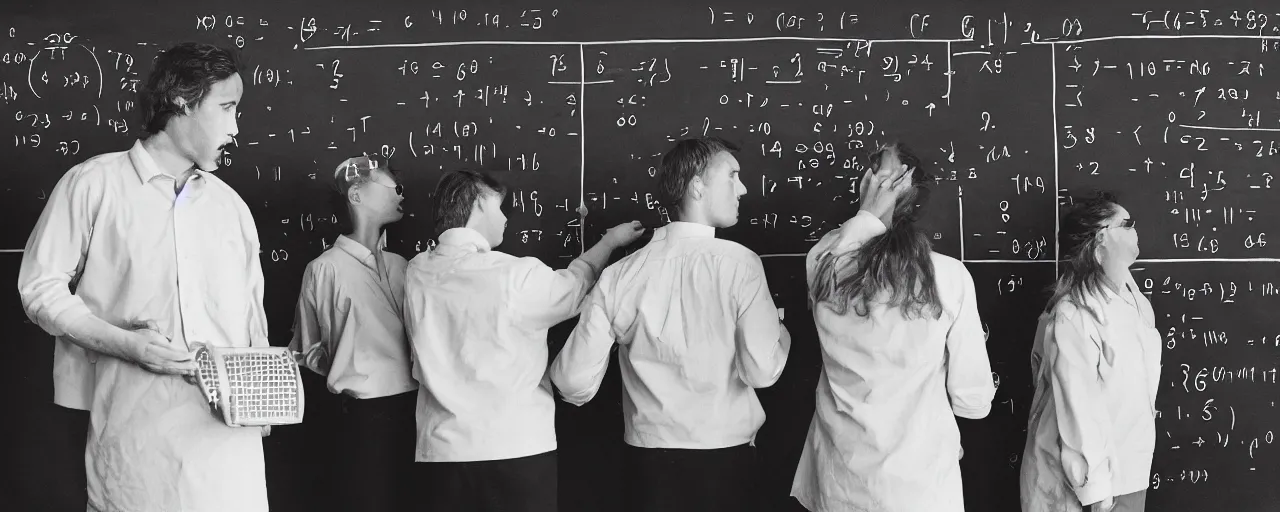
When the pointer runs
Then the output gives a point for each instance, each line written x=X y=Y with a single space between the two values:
x=419 y=261
x=1069 y=312
x=322 y=264
x=732 y=253
x=950 y=273
x=98 y=169
x=325 y=259
x=225 y=191
x=517 y=266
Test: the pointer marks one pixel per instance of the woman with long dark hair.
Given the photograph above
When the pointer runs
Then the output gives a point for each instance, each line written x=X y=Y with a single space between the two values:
x=1096 y=368
x=903 y=352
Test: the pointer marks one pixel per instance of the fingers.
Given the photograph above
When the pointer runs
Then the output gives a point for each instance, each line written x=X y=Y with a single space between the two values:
x=186 y=369
x=903 y=179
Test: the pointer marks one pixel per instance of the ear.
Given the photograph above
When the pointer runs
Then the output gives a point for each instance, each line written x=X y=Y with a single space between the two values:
x=696 y=187
x=181 y=105
x=353 y=195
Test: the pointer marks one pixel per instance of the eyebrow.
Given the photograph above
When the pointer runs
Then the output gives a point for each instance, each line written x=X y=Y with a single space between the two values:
x=225 y=103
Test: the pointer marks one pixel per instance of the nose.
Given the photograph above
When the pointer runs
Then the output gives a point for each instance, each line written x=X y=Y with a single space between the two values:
x=235 y=125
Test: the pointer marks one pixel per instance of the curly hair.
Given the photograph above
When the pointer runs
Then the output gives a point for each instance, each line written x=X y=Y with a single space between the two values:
x=186 y=71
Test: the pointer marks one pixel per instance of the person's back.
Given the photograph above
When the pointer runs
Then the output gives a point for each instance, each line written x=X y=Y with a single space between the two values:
x=477 y=321
x=698 y=330
x=885 y=380
x=903 y=352
x=485 y=334
x=676 y=303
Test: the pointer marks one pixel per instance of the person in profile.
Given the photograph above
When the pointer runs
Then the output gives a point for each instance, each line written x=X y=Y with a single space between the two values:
x=903 y=354
x=697 y=332
x=477 y=321
x=347 y=328
x=1096 y=369
x=137 y=256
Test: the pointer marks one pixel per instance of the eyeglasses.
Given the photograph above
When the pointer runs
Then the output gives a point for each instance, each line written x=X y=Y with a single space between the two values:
x=1126 y=223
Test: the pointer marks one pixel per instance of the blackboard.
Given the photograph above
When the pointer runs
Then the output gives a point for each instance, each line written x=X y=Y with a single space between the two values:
x=1015 y=106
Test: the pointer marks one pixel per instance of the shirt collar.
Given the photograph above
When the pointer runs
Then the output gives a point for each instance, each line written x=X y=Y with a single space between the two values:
x=146 y=166
x=357 y=251
x=684 y=230
x=1100 y=303
x=466 y=239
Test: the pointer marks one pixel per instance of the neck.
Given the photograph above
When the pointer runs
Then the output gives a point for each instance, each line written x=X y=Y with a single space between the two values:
x=693 y=215
x=367 y=233
x=1117 y=274
x=167 y=157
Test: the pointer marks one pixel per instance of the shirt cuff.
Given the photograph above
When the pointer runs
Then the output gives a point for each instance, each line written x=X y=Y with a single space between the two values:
x=592 y=272
x=75 y=312
x=1095 y=489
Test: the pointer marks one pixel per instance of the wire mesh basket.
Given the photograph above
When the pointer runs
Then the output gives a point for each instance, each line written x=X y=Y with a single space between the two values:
x=250 y=386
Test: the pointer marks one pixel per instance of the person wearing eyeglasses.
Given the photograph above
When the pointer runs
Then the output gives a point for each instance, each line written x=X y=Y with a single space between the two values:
x=348 y=327
x=1096 y=368
x=903 y=354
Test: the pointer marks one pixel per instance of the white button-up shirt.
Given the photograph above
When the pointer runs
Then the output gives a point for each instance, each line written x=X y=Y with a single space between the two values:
x=116 y=233
x=347 y=325
x=697 y=330
x=1091 y=432
x=477 y=321
x=884 y=435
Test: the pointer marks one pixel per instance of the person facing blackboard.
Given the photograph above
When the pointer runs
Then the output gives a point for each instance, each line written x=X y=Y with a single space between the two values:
x=477 y=321
x=697 y=332
x=903 y=353
x=347 y=328
x=138 y=255
x=1096 y=368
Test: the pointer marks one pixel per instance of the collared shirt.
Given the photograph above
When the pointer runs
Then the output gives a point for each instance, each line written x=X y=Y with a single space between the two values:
x=114 y=231
x=477 y=321
x=697 y=330
x=116 y=241
x=1091 y=431
x=347 y=325
x=884 y=435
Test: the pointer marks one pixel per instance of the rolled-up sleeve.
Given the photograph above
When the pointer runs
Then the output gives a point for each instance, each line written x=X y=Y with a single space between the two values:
x=763 y=343
x=545 y=296
x=1083 y=420
x=849 y=237
x=55 y=252
x=581 y=365
x=970 y=385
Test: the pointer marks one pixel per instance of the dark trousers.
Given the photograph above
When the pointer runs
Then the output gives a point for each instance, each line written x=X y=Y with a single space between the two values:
x=69 y=431
x=375 y=447
x=526 y=484
x=675 y=480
